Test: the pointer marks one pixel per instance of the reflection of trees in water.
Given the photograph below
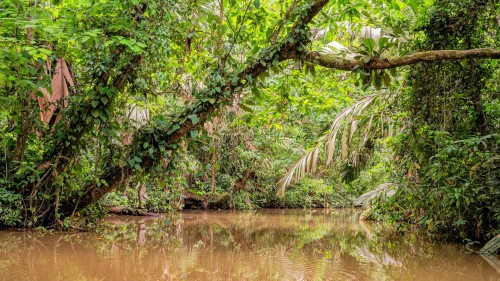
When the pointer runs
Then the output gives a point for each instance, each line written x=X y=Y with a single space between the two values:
x=284 y=241
x=262 y=246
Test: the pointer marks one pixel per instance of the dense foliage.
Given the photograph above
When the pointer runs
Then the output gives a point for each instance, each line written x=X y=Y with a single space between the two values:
x=168 y=104
x=449 y=152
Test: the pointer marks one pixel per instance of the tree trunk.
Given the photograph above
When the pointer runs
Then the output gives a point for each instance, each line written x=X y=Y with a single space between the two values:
x=212 y=187
x=22 y=137
x=241 y=182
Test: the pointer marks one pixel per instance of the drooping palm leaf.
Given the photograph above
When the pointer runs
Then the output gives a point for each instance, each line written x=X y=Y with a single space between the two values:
x=350 y=120
x=385 y=189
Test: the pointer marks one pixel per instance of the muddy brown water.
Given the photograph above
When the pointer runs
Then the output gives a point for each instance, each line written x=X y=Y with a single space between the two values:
x=225 y=245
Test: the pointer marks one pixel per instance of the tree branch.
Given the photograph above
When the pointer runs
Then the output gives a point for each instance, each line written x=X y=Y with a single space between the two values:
x=379 y=63
x=285 y=18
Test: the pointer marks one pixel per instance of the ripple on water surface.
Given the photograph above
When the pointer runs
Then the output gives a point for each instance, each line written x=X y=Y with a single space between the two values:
x=263 y=245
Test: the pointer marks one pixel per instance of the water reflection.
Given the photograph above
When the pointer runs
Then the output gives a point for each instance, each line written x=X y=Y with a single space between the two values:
x=263 y=245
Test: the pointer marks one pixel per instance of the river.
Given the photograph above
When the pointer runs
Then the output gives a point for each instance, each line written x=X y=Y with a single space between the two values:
x=237 y=245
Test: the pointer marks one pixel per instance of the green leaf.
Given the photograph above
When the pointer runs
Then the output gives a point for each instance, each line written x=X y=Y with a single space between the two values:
x=366 y=59
x=194 y=134
x=377 y=80
x=383 y=42
x=255 y=50
x=387 y=78
x=369 y=44
x=398 y=31
x=256 y=93
x=103 y=116
x=245 y=108
x=174 y=128
x=138 y=167
x=366 y=13
x=194 y=119
x=95 y=104
x=414 y=5
x=249 y=102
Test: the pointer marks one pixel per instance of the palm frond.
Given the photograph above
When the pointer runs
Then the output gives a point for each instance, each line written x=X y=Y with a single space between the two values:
x=61 y=83
x=351 y=120
x=385 y=189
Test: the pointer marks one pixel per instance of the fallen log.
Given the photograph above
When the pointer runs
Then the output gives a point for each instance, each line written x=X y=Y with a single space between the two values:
x=493 y=261
x=489 y=250
x=127 y=211
x=491 y=247
x=194 y=201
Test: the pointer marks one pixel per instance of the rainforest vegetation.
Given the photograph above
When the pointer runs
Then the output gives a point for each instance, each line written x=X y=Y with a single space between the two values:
x=153 y=106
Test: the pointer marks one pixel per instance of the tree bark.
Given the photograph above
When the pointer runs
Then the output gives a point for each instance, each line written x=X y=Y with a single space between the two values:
x=113 y=178
x=25 y=126
x=285 y=18
x=376 y=63
x=241 y=182
x=212 y=187
x=22 y=137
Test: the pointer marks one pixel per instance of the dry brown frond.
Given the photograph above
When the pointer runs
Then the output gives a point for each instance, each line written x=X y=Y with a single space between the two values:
x=61 y=81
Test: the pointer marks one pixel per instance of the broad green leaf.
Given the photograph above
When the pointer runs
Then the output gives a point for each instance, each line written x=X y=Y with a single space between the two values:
x=369 y=44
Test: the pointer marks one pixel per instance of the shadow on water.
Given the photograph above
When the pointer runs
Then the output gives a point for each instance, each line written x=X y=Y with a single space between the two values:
x=253 y=245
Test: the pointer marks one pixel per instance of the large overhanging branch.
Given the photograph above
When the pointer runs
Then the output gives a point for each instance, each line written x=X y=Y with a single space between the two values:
x=376 y=63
